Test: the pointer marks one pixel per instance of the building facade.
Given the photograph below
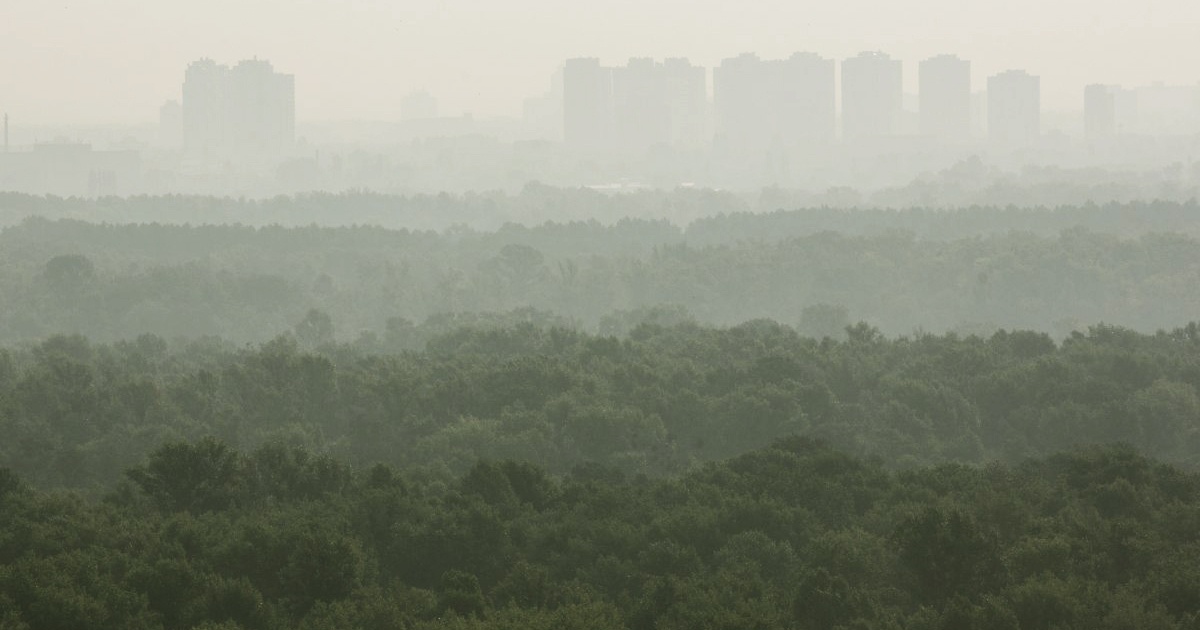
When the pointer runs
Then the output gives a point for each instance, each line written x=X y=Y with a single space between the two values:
x=1099 y=111
x=1014 y=108
x=244 y=110
x=587 y=105
x=634 y=108
x=785 y=106
x=945 y=98
x=872 y=96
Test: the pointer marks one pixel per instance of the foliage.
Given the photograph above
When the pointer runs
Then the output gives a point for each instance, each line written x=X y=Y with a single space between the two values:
x=973 y=270
x=793 y=535
x=670 y=395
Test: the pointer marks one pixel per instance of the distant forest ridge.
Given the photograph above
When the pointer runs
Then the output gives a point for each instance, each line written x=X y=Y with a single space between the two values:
x=700 y=215
x=115 y=281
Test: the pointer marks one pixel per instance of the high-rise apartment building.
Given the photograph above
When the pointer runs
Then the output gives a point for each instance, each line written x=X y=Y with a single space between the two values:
x=806 y=108
x=1099 y=111
x=945 y=98
x=1014 y=108
x=587 y=105
x=872 y=96
x=205 y=109
x=248 y=109
x=739 y=98
x=780 y=106
x=1164 y=109
x=635 y=107
x=687 y=104
x=641 y=118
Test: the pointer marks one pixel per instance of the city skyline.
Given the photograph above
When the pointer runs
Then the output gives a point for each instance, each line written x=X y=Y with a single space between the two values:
x=767 y=121
x=239 y=109
x=954 y=74
x=752 y=104
x=774 y=105
x=117 y=61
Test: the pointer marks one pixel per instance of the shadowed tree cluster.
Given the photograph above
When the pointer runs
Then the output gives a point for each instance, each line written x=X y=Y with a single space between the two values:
x=794 y=535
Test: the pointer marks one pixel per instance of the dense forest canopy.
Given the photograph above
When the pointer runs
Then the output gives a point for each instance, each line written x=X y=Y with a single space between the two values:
x=525 y=411
x=662 y=398
x=794 y=535
x=112 y=282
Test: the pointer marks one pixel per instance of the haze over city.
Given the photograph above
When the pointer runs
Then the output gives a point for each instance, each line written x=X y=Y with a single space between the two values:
x=116 y=61
x=616 y=315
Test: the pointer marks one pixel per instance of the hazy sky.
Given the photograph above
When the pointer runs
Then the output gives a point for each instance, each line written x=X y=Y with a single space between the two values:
x=118 y=60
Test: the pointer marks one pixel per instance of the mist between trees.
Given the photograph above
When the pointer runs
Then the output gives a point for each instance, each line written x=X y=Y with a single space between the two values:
x=968 y=271
x=797 y=419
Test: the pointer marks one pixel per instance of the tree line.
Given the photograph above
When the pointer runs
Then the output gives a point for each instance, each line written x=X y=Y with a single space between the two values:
x=791 y=535
x=112 y=282
x=957 y=202
x=658 y=400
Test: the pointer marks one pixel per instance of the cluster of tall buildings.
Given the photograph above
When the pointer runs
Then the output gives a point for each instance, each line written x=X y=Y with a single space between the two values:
x=635 y=107
x=787 y=104
x=242 y=110
x=792 y=107
x=773 y=105
x=1156 y=109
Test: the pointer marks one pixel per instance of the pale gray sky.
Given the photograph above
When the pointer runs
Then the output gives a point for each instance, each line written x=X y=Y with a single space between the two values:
x=118 y=60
